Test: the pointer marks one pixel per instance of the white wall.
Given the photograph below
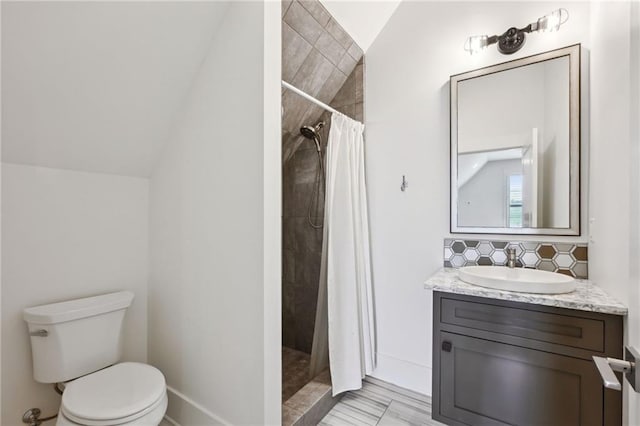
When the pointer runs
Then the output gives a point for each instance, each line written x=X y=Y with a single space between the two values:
x=209 y=329
x=614 y=203
x=488 y=119
x=407 y=110
x=555 y=156
x=633 y=322
x=483 y=199
x=66 y=235
x=102 y=82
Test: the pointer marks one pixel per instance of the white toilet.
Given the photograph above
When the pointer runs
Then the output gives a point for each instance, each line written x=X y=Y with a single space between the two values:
x=79 y=343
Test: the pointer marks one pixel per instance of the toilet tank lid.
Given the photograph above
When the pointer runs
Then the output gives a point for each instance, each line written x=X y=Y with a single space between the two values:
x=79 y=308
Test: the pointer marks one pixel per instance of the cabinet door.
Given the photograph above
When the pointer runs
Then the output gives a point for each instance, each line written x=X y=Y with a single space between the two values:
x=488 y=383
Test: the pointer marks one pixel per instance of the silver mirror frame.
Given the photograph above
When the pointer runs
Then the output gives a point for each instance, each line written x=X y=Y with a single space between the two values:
x=574 y=229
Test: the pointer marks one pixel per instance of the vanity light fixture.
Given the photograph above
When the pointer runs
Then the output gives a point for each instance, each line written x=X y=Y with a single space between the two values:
x=513 y=39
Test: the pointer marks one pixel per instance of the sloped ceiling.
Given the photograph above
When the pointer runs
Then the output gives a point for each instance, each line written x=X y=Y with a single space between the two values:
x=96 y=86
x=362 y=19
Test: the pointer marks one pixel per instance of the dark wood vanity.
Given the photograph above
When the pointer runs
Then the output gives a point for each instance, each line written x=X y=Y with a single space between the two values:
x=499 y=362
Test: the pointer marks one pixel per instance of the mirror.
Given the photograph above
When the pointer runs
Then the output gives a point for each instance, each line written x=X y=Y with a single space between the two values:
x=515 y=146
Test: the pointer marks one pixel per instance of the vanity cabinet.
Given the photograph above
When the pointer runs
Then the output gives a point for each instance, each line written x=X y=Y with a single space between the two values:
x=500 y=362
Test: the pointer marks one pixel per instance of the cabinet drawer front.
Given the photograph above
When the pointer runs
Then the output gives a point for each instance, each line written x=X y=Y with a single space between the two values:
x=577 y=332
x=489 y=383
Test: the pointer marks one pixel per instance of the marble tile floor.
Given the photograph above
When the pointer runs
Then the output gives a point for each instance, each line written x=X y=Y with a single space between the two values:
x=383 y=404
x=295 y=371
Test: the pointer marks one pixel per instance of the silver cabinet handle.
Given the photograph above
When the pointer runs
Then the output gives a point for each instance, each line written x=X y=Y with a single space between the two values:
x=39 y=333
x=606 y=372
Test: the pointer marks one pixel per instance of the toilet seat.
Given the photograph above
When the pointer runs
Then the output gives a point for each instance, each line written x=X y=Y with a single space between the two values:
x=115 y=395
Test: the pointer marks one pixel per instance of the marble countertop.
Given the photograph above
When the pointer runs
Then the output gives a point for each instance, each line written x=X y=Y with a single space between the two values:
x=586 y=297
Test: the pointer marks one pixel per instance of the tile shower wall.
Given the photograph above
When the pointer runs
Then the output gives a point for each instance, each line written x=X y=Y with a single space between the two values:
x=566 y=258
x=319 y=57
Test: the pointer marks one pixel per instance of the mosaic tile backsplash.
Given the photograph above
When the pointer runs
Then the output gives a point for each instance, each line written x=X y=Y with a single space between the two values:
x=565 y=258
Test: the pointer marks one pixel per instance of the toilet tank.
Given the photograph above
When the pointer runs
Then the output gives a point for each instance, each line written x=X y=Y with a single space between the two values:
x=77 y=337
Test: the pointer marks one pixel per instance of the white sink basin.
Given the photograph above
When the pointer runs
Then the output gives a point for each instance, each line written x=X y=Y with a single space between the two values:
x=517 y=279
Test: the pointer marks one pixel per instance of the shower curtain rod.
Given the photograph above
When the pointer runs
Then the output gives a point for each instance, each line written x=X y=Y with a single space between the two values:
x=308 y=97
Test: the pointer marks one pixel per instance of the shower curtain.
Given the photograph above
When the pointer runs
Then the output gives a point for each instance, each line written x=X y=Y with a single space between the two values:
x=345 y=292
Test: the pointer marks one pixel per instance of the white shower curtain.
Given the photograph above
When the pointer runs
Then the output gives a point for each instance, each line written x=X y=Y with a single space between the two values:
x=346 y=263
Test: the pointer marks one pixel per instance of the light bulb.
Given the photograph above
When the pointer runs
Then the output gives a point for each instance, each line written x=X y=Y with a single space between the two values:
x=552 y=21
x=476 y=43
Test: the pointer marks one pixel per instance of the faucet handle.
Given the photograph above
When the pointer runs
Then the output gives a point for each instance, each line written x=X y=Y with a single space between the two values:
x=511 y=257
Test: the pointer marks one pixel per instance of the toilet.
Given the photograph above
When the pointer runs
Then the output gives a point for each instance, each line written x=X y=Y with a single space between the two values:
x=78 y=344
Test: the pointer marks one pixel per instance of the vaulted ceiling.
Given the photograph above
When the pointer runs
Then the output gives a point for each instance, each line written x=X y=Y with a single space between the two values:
x=362 y=19
x=96 y=86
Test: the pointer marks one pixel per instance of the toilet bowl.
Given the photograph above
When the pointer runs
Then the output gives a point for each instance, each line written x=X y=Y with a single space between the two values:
x=124 y=394
x=79 y=343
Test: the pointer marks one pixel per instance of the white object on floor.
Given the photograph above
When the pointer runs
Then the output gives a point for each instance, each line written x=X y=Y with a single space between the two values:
x=346 y=263
x=518 y=279
x=81 y=341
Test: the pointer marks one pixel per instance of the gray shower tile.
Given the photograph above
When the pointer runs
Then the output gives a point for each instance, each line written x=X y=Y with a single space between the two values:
x=347 y=93
x=303 y=22
x=330 y=48
x=288 y=298
x=306 y=165
x=295 y=50
x=288 y=265
x=355 y=52
x=359 y=74
x=289 y=233
x=284 y=4
x=317 y=10
x=305 y=321
x=288 y=314
x=290 y=146
x=290 y=416
x=321 y=407
x=347 y=64
x=294 y=107
x=313 y=73
x=297 y=207
x=307 y=238
x=359 y=114
x=298 y=112
x=308 y=396
x=332 y=86
x=339 y=33
x=348 y=110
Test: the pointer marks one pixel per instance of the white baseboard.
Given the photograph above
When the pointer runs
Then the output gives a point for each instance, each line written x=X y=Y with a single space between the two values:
x=170 y=420
x=406 y=374
x=183 y=410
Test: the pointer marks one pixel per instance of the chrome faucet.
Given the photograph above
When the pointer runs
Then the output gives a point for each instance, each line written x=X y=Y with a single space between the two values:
x=511 y=257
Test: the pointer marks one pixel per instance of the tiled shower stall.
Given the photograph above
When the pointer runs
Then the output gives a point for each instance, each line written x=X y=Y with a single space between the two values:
x=321 y=59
